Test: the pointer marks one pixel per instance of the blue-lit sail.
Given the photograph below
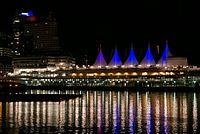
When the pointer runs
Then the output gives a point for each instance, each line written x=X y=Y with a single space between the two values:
x=100 y=61
x=131 y=60
x=115 y=59
x=148 y=59
x=166 y=54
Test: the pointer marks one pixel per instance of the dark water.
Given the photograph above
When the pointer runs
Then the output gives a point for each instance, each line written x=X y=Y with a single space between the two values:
x=106 y=112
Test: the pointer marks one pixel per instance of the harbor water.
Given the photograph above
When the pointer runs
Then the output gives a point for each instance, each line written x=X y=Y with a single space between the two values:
x=105 y=112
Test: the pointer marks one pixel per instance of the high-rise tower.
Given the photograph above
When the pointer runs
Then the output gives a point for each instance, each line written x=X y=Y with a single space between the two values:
x=45 y=35
x=5 y=56
x=18 y=42
x=43 y=48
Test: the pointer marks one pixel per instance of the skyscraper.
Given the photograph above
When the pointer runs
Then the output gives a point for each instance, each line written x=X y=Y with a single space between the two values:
x=5 y=55
x=45 y=35
x=18 y=43
x=41 y=46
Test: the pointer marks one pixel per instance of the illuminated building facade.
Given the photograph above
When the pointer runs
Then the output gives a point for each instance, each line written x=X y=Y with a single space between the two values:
x=102 y=75
x=19 y=42
x=43 y=62
x=5 y=56
x=111 y=77
x=44 y=33
x=45 y=49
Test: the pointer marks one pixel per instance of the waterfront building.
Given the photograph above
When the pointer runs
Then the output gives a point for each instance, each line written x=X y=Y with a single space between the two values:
x=185 y=76
x=175 y=75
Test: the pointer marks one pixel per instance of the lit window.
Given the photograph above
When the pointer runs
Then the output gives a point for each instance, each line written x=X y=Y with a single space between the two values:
x=125 y=73
x=144 y=73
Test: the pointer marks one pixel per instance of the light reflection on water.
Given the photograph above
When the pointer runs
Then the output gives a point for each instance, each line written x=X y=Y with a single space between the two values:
x=106 y=112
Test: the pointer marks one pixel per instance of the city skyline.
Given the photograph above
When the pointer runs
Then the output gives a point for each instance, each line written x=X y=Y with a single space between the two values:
x=86 y=25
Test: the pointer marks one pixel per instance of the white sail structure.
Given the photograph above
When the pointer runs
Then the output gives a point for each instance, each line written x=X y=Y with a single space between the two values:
x=131 y=60
x=165 y=55
x=100 y=61
x=115 y=61
x=148 y=60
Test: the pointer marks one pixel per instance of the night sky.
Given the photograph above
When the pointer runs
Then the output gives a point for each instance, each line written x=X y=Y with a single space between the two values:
x=84 y=25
